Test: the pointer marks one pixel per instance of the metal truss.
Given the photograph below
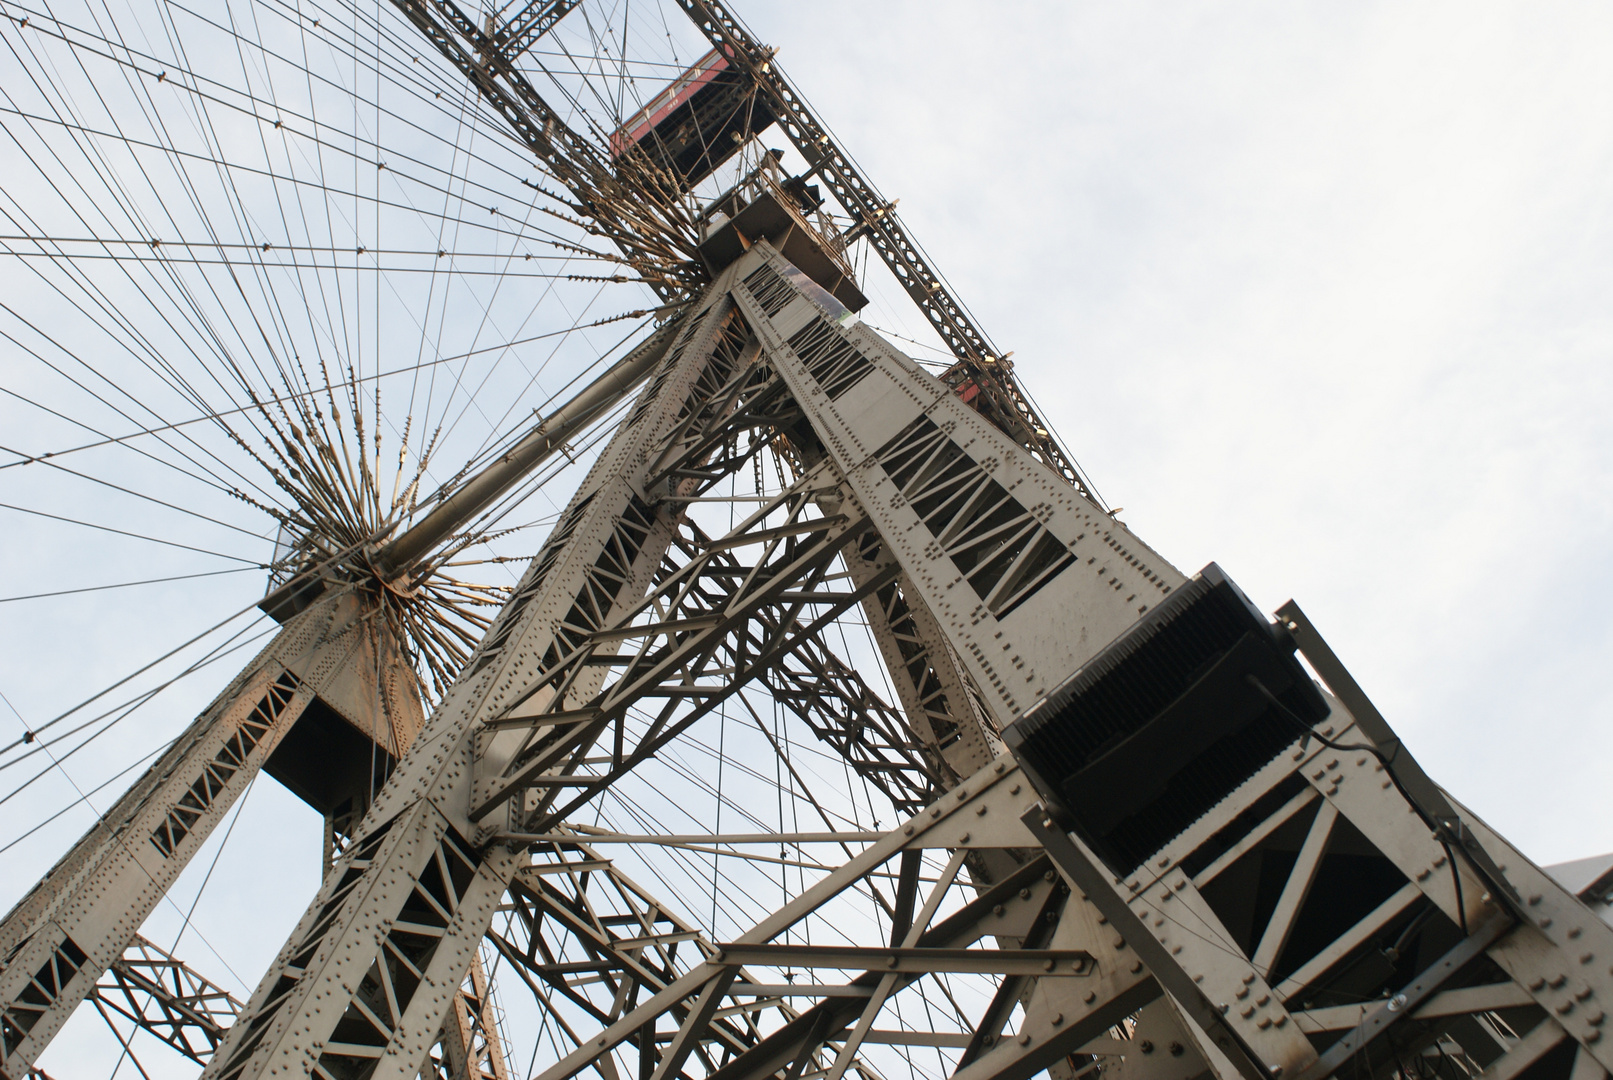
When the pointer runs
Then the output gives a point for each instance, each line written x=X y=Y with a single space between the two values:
x=471 y=1047
x=750 y=607
x=522 y=29
x=633 y=209
x=1330 y=912
x=1307 y=922
x=982 y=370
x=712 y=622
x=929 y=685
x=152 y=990
x=1077 y=955
x=1313 y=911
x=590 y=944
x=936 y=694
x=580 y=680
x=699 y=637
x=639 y=226
x=81 y=920
x=412 y=876
x=933 y=692
x=972 y=953
x=749 y=411
x=836 y=702
x=840 y=708
x=155 y=991
x=815 y=684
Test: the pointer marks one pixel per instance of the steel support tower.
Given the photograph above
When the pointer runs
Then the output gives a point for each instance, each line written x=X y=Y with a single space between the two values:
x=1308 y=905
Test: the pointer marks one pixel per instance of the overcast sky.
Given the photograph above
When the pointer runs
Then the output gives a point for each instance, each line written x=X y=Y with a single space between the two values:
x=1317 y=291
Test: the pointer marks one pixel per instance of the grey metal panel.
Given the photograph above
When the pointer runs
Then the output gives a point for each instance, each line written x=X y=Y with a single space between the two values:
x=1580 y=875
x=1111 y=577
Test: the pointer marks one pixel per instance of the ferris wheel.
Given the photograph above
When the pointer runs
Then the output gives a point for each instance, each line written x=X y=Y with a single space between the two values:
x=287 y=280
x=519 y=413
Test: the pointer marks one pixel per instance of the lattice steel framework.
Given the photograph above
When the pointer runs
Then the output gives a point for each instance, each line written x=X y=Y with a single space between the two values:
x=1331 y=911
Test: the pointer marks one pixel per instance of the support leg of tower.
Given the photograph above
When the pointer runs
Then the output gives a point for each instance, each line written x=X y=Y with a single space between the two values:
x=64 y=934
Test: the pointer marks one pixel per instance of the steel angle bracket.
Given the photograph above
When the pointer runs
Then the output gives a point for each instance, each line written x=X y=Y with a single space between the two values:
x=1419 y=789
x=1090 y=879
x=1406 y=1002
x=909 y=960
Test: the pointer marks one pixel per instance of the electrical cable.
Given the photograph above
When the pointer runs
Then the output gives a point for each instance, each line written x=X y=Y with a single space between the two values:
x=1388 y=766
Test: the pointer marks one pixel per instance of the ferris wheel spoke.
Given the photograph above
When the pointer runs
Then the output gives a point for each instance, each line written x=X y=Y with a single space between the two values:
x=328 y=262
x=707 y=343
x=685 y=648
x=133 y=535
x=198 y=454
